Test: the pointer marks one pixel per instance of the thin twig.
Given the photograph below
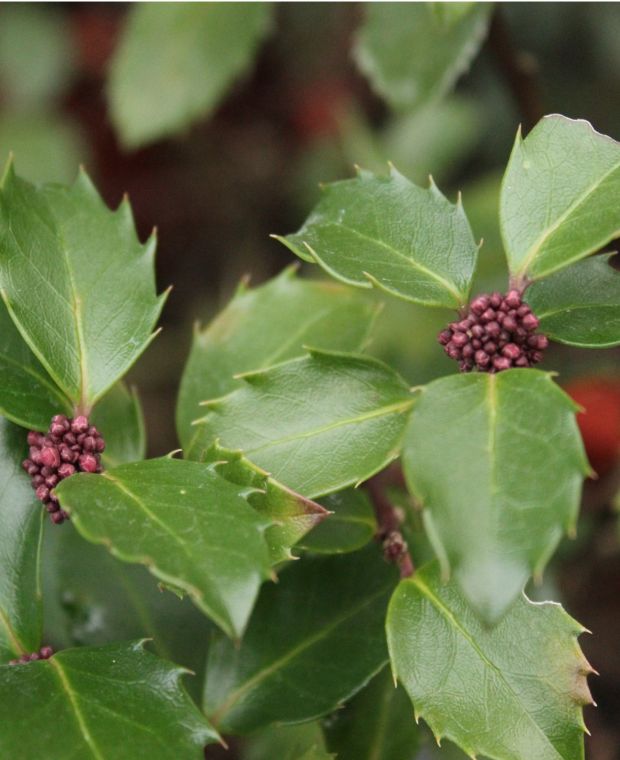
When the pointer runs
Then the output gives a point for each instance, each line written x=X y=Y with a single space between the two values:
x=389 y=523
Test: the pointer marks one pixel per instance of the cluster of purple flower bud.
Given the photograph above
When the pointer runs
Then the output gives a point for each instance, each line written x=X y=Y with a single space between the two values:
x=498 y=332
x=70 y=446
x=43 y=654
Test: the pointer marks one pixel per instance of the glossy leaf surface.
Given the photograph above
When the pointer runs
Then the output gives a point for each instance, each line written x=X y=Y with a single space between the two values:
x=560 y=196
x=509 y=692
x=317 y=424
x=386 y=231
x=175 y=63
x=497 y=463
x=100 y=702
x=315 y=638
x=413 y=53
x=264 y=326
x=78 y=283
x=580 y=305
x=21 y=519
x=190 y=527
x=377 y=724
x=351 y=526
x=29 y=398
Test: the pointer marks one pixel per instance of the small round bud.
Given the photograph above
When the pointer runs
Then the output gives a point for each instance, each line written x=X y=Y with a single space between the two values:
x=79 y=424
x=88 y=463
x=66 y=470
x=530 y=322
x=511 y=351
x=46 y=652
x=501 y=363
x=42 y=493
x=50 y=456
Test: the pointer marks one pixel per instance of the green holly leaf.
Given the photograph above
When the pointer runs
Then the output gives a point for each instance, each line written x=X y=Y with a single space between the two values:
x=555 y=211
x=375 y=725
x=303 y=741
x=29 y=398
x=91 y=598
x=469 y=442
x=317 y=424
x=77 y=282
x=290 y=515
x=191 y=528
x=386 y=231
x=118 y=417
x=266 y=325
x=20 y=516
x=315 y=638
x=100 y=702
x=176 y=62
x=413 y=54
x=580 y=305
x=509 y=692
x=351 y=526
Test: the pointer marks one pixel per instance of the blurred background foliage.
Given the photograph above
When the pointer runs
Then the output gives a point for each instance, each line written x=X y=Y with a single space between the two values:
x=220 y=131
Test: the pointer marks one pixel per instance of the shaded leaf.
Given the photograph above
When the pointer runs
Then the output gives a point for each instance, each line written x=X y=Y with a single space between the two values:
x=316 y=424
x=175 y=63
x=118 y=417
x=296 y=742
x=386 y=231
x=560 y=196
x=190 y=527
x=415 y=52
x=375 y=725
x=352 y=525
x=77 y=282
x=29 y=397
x=315 y=638
x=290 y=515
x=510 y=692
x=580 y=305
x=497 y=463
x=91 y=598
x=100 y=702
x=266 y=325
x=21 y=519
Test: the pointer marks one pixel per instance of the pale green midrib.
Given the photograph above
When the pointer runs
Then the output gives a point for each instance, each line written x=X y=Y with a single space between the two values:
x=292 y=654
x=375 y=749
x=576 y=307
x=535 y=248
x=411 y=262
x=491 y=443
x=62 y=676
x=449 y=615
x=32 y=371
x=13 y=638
x=76 y=303
x=381 y=412
x=223 y=620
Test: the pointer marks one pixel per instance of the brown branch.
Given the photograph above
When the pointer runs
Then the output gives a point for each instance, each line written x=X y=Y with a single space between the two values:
x=518 y=68
x=389 y=523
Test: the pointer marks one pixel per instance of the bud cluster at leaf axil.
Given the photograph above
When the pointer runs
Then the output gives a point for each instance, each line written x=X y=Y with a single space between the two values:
x=69 y=446
x=497 y=333
x=43 y=654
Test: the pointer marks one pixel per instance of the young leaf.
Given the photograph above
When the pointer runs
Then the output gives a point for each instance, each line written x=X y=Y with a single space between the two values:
x=118 y=417
x=77 y=283
x=317 y=424
x=386 y=231
x=290 y=515
x=190 y=527
x=510 y=692
x=175 y=63
x=91 y=598
x=315 y=638
x=375 y=725
x=20 y=516
x=29 y=398
x=351 y=526
x=266 y=325
x=497 y=463
x=100 y=702
x=555 y=211
x=580 y=305
x=413 y=54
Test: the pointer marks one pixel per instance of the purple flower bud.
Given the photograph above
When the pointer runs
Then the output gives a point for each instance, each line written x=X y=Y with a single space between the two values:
x=458 y=339
x=88 y=463
x=42 y=493
x=482 y=358
x=445 y=337
x=51 y=481
x=50 y=456
x=100 y=445
x=46 y=652
x=511 y=351
x=66 y=470
x=477 y=331
x=57 y=518
x=496 y=300
x=530 y=322
x=479 y=304
x=79 y=424
x=493 y=329
x=509 y=323
x=513 y=299
x=488 y=315
x=501 y=363
x=490 y=348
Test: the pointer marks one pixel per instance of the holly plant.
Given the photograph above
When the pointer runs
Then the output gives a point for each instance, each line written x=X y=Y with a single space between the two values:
x=323 y=523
